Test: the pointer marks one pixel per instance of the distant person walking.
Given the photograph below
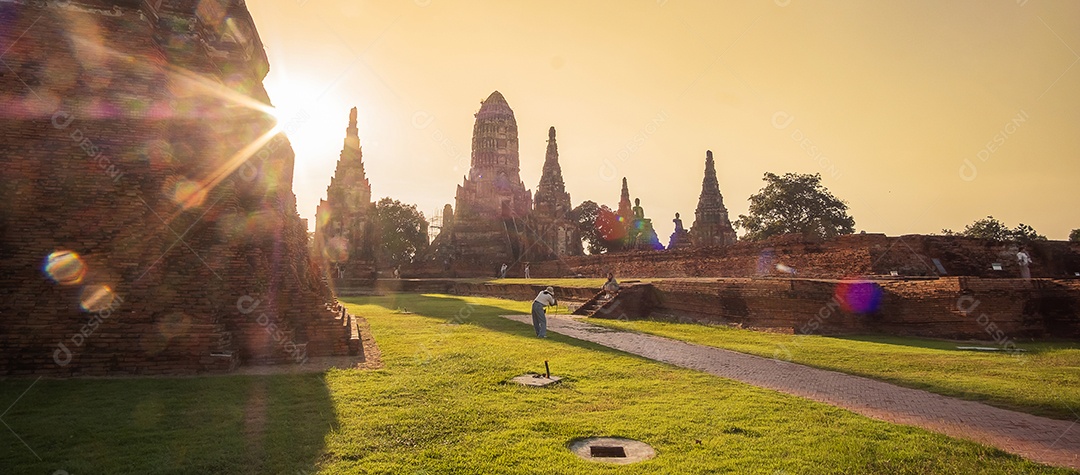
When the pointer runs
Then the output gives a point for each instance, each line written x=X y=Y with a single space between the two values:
x=526 y=270
x=1024 y=260
x=546 y=298
x=502 y=271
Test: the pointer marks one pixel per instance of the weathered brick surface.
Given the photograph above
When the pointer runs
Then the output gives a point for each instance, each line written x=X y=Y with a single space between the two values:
x=844 y=257
x=998 y=310
x=109 y=115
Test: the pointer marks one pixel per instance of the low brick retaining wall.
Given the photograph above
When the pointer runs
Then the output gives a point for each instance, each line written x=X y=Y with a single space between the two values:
x=951 y=307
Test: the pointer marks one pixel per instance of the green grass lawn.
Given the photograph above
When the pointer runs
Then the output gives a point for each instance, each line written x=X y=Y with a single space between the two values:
x=1045 y=380
x=584 y=283
x=442 y=404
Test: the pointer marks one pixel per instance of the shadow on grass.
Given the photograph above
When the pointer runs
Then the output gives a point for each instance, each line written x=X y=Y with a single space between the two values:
x=456 y=310
x=1027 y=347
x=913 y=342
x=217 y=424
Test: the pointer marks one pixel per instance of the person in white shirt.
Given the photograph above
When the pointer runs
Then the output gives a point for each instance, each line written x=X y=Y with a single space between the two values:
x=1024 y=260
x=546 y=298
x=611 y=286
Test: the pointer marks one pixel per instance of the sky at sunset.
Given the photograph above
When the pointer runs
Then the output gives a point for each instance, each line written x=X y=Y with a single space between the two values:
x=922 y=115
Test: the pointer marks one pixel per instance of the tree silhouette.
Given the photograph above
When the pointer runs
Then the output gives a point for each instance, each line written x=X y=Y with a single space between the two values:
x=402 y=232
x=795 y=204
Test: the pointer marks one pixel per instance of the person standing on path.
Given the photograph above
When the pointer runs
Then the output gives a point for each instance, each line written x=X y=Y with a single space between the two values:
x=546 y=298
x=1024 y=260
x=526 y=270
x=502 y=271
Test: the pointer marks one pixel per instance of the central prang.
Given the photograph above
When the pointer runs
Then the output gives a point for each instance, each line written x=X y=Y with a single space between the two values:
x=493 y=189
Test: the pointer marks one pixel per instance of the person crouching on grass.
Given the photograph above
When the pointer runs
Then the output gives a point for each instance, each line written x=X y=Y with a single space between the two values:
x=546 y=298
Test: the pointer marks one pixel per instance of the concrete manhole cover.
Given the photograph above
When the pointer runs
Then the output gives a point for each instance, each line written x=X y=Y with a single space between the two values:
x=536 y=380
x=612 y=450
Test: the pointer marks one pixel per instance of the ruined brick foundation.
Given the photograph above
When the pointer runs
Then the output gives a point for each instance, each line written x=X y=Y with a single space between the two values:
x=134 y=136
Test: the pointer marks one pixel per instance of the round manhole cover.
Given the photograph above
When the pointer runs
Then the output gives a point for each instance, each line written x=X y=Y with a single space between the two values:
x=612 y=450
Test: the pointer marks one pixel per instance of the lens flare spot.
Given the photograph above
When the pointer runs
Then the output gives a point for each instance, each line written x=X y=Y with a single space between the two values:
x=174 y=325
x=96 y=298
x=65 y=267
x=859 y=296
x=785 y=269
x=336 y=249
x=189 y=194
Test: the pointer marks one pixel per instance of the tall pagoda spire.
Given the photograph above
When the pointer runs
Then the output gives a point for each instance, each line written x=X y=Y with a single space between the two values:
x=350 y=180
x=626 y=209
x=493 y=189
x=344 y=226
x=551 y=198
x=712 y=227
x=352 y=134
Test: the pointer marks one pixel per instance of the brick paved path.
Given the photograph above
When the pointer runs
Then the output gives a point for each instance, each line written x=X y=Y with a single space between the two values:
x=1048 y=441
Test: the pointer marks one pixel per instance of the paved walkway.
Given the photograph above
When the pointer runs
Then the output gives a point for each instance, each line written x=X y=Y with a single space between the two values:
x=1044 y=440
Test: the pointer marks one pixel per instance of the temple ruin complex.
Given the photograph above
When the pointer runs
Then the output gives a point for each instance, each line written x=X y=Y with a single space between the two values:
x=494 y=219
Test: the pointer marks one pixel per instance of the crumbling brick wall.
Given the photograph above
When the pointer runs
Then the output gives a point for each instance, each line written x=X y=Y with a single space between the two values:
x=843 y=257
x=998 y=310
x=131 y=136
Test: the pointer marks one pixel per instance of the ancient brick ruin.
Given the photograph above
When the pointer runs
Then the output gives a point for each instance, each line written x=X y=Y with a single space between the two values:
x=556 y=235
x=847 y=256
x=149 y=225
x=934 y=286
x=711 y=224
x=494 y=221
x=345 y=220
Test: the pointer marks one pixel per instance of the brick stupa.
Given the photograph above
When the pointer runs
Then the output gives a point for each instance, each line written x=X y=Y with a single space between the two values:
x=344 y=221
x=491 y=204
x=149 y=221
x=712 y=227
x=554 y=230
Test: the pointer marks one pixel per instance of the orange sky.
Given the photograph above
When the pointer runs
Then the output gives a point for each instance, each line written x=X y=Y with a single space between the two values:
x=922 y=115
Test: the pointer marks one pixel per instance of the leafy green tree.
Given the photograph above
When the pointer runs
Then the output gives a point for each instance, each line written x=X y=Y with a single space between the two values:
x=795 y=204
x=1025 y=233
x=599 y=227
x=987 y=228
x=993 y=229
x=1074 y=236
x=402 y=232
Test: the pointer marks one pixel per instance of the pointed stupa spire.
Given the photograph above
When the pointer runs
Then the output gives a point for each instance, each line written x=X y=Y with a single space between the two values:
x=551 y=197
x=712 y=226
x=710 y=187
x=626 y=208
x=352 y=134
x=349 y=172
